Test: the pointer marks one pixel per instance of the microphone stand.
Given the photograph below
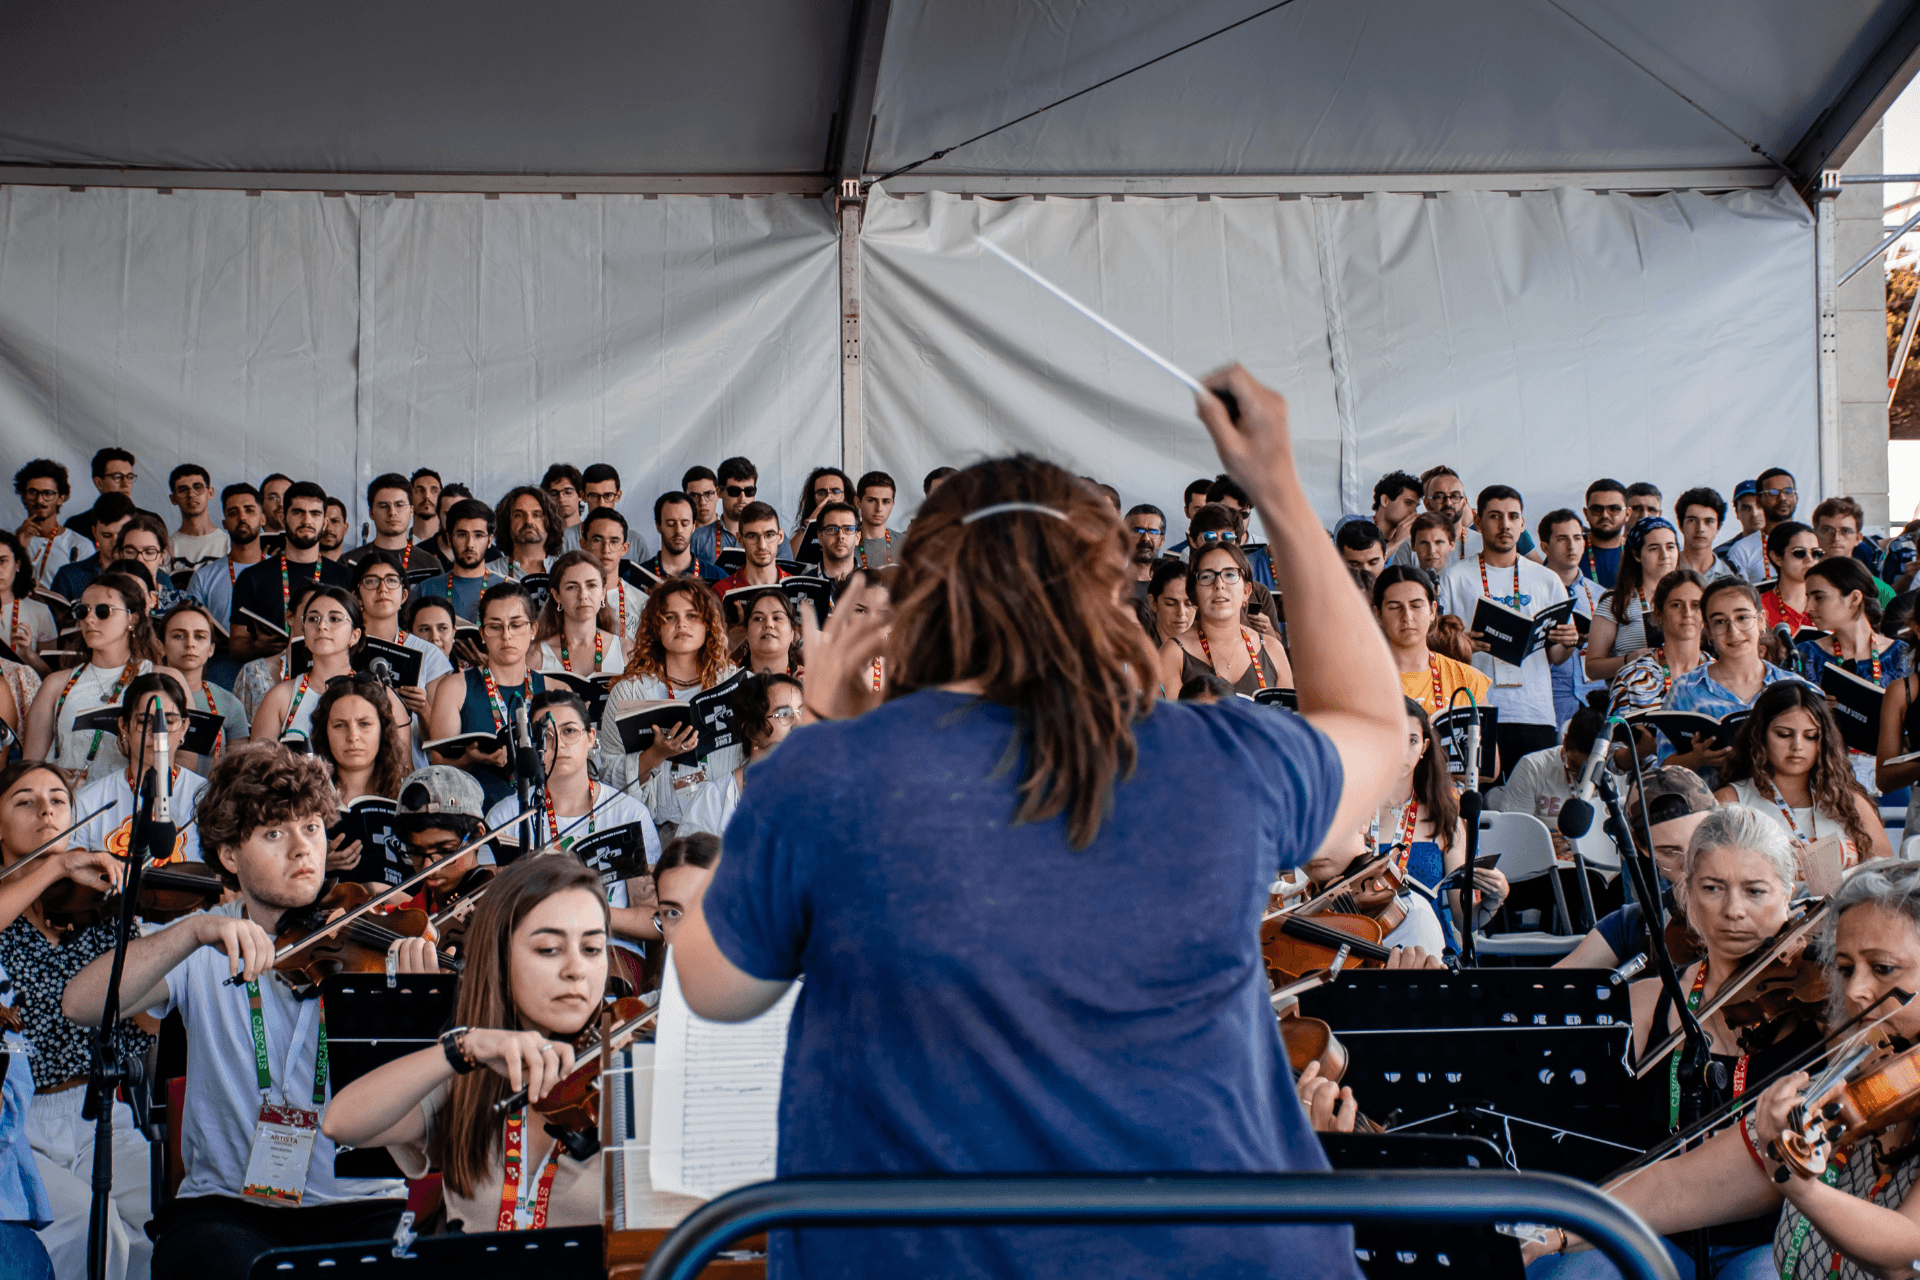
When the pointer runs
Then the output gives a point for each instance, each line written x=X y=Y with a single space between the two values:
x=526 y=770
x=110 y=1070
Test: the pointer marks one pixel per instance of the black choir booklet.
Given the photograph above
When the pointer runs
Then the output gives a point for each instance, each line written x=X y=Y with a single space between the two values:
x=591 y=688
x=272 y=544
x=1451 y=727
x=383 y=854
x=1681 y=726
x=731 y=559
x=710 y=711
x=1288 y=698
x=203 y=727
x=1512 y=636
x=394 y=665
x=264 y=628
x=473 y=740
x=417 y=576
x=738 y=603
x=616 y=853
x=1856 y=706
x=810 y=586
x=794 y=567
x=536 y=586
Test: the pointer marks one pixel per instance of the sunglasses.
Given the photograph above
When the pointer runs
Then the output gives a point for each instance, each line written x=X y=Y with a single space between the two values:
x=100 y=611
x=1805 y=553
x=1217 y=535
x=1138 y=532
x=742 y=490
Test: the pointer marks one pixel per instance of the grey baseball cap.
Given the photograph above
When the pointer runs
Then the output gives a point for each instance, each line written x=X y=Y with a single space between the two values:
x=441 y=791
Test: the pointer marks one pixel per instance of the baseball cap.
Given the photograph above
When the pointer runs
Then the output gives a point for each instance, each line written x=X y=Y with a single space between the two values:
x=1746 y=489
x=1673 y=792
x=440 y=791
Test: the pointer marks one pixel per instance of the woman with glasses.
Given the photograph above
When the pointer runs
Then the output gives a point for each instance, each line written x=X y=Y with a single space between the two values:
x=1220 y=642
x=487 y=698
x=26 y=625
x=1650 y=553
x=575 y=630
x=137 y=726
x=264 y=674
x=773 y=635
x=1736 y=676
x=186 y=639
x=768 y=707
x=574 y=806
x=120 y=645
x=681 y=651
x=1407 y=608
x=330 y=624
x=1792 y=549
x=144 y=539
x=1789 y=763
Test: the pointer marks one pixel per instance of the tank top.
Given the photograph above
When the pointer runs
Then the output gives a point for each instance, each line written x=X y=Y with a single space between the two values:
x=1192 y=668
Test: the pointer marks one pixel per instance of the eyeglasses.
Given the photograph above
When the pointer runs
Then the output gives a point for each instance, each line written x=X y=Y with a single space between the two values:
x=666 y=916
x=146 y=555
x=1805 y=553
x=386 y=582
x=1138 y=532
x=784 y=713
x=197 y=486
x=146 y=720
x=568 y=733
x=824 y=492
x=1779 y=493
x=39 y=493
x=324 y=620
x=842 y=529
x=1216 y=535
x=121 y=477
x=1207 y=577
x=514 y=628
x=742 y=490
x=100 y=611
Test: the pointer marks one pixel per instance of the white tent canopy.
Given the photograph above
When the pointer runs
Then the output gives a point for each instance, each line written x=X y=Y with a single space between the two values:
x=584 y=289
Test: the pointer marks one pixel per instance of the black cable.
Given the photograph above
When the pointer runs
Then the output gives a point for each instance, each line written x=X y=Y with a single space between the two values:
x=1078 y=93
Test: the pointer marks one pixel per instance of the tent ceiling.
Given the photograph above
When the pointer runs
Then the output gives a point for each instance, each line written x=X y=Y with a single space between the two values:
x=595 y=87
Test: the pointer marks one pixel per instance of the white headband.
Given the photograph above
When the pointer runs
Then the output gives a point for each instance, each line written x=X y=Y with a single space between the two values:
x=1002 y=508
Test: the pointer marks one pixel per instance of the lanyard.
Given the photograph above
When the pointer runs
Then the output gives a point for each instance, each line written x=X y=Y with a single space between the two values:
x=1439 y=694
x=1800 y=1229
x=46 y=554
x=599 y=644
x=13 y=623
x=1813 y=813
x=1853 y=663
x=553 y=819
x=1253 y=657
x=495 y=703
x=621 y=584
x=406 y=558
x=113 y=696
x=293 y=706
x=286 y=594
x=512 y=1209
x=1666 y=672
x=262 y=1064
x=220 y=734
x=1673 y=1063
x=878 y=671
x=1409 y=817
x=1487 y=591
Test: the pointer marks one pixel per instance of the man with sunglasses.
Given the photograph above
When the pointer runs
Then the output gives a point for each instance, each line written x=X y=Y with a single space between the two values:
x=1606 y=530
x=1778 y=498
x=1146 y=527
x=271 y=589
x=739 y=486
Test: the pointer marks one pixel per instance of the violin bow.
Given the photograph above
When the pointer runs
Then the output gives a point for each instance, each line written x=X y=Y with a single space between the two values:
x=391 y=894
x=1344 y=884
x=518 y=1098
x=57 y=839
x=453 y=908
x=1735 y=985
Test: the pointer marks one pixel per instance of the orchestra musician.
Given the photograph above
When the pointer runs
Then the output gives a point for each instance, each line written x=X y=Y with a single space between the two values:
x=258 y=1173
x=1020 y=746
x=136 y=736
x=542 y=927
x=1677 y=801
x=1856 y=1220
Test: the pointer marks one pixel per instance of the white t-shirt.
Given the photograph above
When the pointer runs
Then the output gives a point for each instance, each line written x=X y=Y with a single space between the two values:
x=626 y=601
x=35 y=617
x=1528 y=587
x=668 y=787
x=190 y=551
x=223 y=1092
x=1749 y=555
x=710 y=806
x=615 y=809
x=110 y=830
x=47 y=560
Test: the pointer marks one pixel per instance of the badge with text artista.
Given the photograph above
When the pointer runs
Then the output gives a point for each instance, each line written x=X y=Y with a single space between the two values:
x=282 y=1149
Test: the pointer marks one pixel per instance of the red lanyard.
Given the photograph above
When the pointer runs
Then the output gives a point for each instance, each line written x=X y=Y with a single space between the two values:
x=1409 y=817
x=877 y=671
x=1666 y=672
x=46 y=554
x=406 y=558
x=1853 y=663
x=1439 y=695
x=293 y=707
x=220 y=734
x=1487 y=591
x=1253 y=655
x=553 y=819
x=495 y=703
x=509 y=1219
x=286 y=594
x=599 y=651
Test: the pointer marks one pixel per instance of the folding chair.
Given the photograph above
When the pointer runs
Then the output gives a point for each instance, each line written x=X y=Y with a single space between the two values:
x=1525 y=849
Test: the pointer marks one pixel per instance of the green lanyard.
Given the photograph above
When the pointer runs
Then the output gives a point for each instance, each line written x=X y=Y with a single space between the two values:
x=1673 y=1065
x=263 y=1068
x=1805 y=1225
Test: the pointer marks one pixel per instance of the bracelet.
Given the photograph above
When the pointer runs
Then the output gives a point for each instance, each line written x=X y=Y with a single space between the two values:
x=1565 y=1240
x=1746 y=1135
x=450 y=1044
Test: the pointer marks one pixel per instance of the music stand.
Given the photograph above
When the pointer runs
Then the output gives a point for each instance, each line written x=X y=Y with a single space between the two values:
x=1425 y=1253
x=373 y=1018
x=553 y=1253
x=1531 y=1059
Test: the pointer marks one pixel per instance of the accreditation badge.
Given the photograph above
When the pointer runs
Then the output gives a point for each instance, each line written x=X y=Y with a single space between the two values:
x=282 y=1150
x=1506 y=675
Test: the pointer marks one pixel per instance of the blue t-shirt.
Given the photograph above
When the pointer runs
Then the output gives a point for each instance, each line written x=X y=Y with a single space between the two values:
x=979 y=997
x=1602 y=564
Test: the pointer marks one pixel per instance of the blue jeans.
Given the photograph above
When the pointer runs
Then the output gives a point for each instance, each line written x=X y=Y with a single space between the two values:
x=1726 y=1262
x=22 y=1256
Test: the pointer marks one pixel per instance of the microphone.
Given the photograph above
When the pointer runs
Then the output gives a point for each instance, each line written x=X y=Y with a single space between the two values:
x=1628 y=970
x=1795 y=663
x=1576 y=815
x=1473 y=751
x=160 y=830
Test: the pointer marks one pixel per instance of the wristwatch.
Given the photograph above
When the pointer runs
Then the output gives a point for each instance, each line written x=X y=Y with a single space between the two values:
x=450 y=1044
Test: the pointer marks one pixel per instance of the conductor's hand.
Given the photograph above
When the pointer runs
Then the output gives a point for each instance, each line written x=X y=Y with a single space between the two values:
x=1259 y=441
x=248 y=949
x=526 y=1058
x=839 y=656
x=1329 y=1104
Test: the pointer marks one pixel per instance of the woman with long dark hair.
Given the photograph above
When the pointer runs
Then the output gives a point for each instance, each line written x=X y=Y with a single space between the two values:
x=1220 y=642
x=1420 y=821
x=1734 y=619
x=965 y=872
x=357 y=735
x=118 y=635
x=1789 y=763
x=575 y=631
x=536 y=971
x=1650 y=553
x=1792 y=549
x=767 y=710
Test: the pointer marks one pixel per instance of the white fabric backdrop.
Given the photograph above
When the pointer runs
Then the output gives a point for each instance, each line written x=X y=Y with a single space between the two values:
x=1538 y=341
x=334 y=338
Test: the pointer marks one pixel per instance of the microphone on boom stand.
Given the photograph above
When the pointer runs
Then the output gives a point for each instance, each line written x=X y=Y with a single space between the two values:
x=526 y=775
x=1470 y=804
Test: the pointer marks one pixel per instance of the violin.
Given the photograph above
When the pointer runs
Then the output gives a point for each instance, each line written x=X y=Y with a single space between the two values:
x=1310 y=1040
x=1295 y=945
x=572 y=1107
x=360 y=946
x=1373 y=890
x=166 y=893
x=451 y=921
x=1879 y=1088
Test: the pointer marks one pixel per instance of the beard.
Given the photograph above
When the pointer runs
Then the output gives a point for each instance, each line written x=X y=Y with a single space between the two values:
x=244 y=536
x=470 y=558
x=302 y=542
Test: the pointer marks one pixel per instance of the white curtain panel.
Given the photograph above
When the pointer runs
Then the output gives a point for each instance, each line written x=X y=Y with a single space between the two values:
x=1538 y=341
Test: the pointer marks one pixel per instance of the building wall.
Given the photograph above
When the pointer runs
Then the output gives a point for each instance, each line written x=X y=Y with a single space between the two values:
x=1862 y=345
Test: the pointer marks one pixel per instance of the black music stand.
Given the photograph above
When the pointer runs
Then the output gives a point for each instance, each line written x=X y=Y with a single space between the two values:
x=1530 y=1059
x=1425 y=1253
x=371 y=1020
x=555 y=1253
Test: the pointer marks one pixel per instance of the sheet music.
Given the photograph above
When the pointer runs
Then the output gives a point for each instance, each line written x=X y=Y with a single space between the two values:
x=716 y=1095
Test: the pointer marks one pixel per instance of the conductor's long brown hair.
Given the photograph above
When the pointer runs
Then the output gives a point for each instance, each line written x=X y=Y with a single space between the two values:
x=1031 y=605
x=465 y=1137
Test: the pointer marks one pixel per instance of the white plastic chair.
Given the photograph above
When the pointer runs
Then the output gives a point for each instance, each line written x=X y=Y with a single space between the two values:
x=1525 y=849
x=1911 y=849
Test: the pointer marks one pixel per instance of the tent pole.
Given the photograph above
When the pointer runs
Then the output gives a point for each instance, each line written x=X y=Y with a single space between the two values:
x=853 y=436
x=1827 y=287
